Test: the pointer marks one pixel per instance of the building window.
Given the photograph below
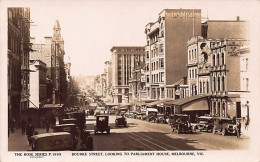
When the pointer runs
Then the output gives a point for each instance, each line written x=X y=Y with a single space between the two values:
x=195 y=73
x=147 y=54
x=214 y=84
x=223 y=83
x=203 y=90
x=200 y=87
x=223 y=59
x=161 y=62
x=217 y=59
x=213 y=60
x=161 y=47
x=195 y=55
x=192 y=54
x=207 y=84
x=162 y=77
x=189 y=56
x=218 y=83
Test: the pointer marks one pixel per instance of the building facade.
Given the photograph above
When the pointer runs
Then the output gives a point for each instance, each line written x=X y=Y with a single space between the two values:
x=213 y=66
x=18 y=61
x=52 y=53
x=124 y=61
x=166 y=47
x=38 y=86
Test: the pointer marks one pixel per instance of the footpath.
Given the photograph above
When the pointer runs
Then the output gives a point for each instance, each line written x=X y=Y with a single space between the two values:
x=19 y=142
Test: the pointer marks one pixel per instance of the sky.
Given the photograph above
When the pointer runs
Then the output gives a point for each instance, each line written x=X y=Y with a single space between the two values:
x=91 y=28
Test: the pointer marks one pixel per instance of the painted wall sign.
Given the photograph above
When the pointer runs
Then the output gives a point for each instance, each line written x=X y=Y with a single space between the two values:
x=183 y=15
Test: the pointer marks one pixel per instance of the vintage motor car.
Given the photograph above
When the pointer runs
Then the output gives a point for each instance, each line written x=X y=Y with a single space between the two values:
x=52 y=142
x=161 y=118
x=181 y=123
x=224 y=126
x=68 y=121
x=70 y=128
x=102 y=124
x=206 y=123
x=151 y=114
x=120 y=121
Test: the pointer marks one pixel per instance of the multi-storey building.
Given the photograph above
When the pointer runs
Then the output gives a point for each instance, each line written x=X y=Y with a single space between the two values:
x=18 y=61
x=124 y=60
x=136 y=84
x=166 y=48
x=214 y=70
x=38 y=86
x=108 y=72
x=25 y=49
x=52 y=53
x=244 y=80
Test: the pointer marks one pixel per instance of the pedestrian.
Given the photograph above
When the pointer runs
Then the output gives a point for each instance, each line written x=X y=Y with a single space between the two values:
x=89 y=143
x=23 y=126
x=238 y=124
x=29 y=131
x=12 y=124
x=83 y=147
x=246 y=122
x=47 y=125
x=84 y=135
x=43 y=122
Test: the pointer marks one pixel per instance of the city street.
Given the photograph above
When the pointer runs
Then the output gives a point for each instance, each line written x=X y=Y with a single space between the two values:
x=142 y=135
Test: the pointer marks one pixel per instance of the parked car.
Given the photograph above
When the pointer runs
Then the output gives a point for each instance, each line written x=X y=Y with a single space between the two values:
x=161 y=118
x=70 y=128
x=206 y=123
x=102 y=124
x=139 y=116
x=224 y=126
x=181 y=123
x=68 y=121
x=151 y=114
x=52 y=141
x=120 y=121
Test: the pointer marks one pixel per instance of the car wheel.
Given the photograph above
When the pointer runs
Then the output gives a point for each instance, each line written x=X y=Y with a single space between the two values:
x=108 y=131
x=223 y=132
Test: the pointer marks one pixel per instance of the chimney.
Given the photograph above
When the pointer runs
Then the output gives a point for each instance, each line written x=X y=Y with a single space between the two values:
x=237 y=18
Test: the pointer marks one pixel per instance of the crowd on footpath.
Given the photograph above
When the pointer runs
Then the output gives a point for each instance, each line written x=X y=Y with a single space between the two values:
x=84 y=140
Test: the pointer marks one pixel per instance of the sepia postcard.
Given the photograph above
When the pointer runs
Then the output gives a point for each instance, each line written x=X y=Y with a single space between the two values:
x=160 y=80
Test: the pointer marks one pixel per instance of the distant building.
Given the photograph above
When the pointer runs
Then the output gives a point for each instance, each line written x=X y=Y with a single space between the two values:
x=124 y=60
x=38 y=86
x=52 y=53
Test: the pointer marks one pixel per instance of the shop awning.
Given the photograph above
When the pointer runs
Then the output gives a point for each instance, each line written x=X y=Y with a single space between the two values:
x=140 y=103
x=111 y=104
x=199 y=105
x=46 y=106
x=185 y=100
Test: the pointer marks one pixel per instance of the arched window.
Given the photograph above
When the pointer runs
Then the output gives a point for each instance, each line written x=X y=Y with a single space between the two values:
x=223 y=58
x=218 y=83
x=213 y=85
x=195 y=55
x=207 y=84
x=192 y=54
x=218 y=59
x=223 y=83
x=189 y=56
x=200 y=87
x=213 y=60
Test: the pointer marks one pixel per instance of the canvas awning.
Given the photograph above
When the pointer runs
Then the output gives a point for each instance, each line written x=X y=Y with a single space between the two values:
x=46 y=106
x=111 y=104
x=140 y=103
x=184 y=100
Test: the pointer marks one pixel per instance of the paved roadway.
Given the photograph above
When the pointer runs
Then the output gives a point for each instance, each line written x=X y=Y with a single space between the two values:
x=146 y=136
